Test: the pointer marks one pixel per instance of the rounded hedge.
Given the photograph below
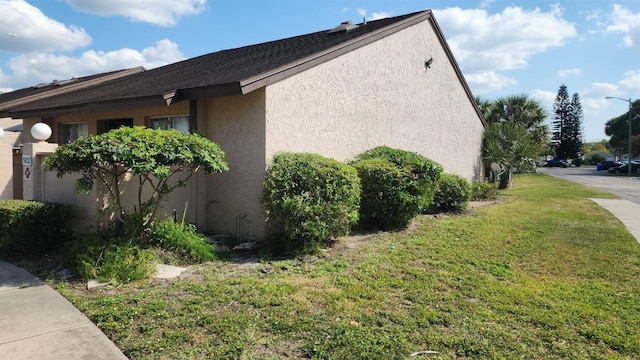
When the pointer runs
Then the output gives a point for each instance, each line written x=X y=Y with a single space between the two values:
x=28 y=227
x=390 y=196
x=309 y=200
x=425 y=172
x=453 y=194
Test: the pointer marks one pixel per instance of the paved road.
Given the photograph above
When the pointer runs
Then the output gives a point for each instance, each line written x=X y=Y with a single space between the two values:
x=626 y=187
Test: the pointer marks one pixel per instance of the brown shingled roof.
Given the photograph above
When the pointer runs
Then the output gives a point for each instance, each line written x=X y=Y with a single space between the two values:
x=228 y=72
x=13 y=99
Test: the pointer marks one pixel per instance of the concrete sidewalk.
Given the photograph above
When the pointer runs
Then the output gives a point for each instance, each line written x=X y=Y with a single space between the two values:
x=626 y=211
x=38 y=323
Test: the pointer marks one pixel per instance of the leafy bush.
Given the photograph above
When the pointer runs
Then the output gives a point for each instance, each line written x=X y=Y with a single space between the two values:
x=106 y=256
x=594 y=158
x=31 y=226
x=483 y=191
x=423 y=171
x=127 y=251
x=390 y=196
x=163 y=160
x=525 y=165
x=181 y=239
x=453 y=193
x=310 y=199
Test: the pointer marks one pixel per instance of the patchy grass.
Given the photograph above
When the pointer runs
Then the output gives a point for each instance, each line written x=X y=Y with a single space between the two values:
x=543 y=274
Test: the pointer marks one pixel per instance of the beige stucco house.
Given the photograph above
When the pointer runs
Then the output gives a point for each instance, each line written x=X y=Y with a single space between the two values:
x=337 y=93
x=10 y=139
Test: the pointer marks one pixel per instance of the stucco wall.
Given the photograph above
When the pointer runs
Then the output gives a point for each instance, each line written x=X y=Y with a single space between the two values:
x=61 y=190
x=380 y=94
x=6 y=164
x=236 y=123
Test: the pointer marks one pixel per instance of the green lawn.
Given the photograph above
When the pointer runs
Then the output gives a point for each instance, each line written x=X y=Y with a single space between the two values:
x=543 y=274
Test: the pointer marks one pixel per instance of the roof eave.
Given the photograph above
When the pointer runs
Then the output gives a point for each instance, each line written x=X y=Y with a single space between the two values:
x=148 y=101
x=202 y=92
x=5 y=108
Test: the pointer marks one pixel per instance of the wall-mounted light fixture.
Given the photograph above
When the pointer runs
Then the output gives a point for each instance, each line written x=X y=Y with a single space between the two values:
x=427 y=64
x=41 y=131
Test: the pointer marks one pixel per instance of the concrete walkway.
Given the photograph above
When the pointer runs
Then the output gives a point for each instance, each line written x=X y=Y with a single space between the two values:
x=626 y=211
x=38 y=323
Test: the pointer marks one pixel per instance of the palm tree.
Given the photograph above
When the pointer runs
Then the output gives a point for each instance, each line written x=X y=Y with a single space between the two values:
x=508 y=145
x=520 y=110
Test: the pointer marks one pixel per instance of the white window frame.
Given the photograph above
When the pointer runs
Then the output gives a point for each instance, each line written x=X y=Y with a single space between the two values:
x=173 y=122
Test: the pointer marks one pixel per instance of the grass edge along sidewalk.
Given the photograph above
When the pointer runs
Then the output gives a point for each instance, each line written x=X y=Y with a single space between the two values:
x=544 y=274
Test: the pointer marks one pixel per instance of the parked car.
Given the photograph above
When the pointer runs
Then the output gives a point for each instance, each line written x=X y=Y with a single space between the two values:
x=557 y=163
x=606 y=165
x=624 y=168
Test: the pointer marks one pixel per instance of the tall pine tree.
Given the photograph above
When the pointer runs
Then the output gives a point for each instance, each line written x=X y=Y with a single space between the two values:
x=567 y=125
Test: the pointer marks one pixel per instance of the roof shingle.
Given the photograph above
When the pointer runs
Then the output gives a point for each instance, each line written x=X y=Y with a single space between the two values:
x=221 y=73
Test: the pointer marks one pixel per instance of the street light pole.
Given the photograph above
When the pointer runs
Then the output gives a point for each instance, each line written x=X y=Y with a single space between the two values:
x=629 y=153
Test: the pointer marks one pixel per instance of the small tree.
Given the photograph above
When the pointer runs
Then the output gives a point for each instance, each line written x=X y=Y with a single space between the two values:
x=520 y=110
x=567 y=126
x=162 y=160
x=508 y=145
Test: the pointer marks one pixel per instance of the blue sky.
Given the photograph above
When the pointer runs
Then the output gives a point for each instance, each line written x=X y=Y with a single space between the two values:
x=503 y=47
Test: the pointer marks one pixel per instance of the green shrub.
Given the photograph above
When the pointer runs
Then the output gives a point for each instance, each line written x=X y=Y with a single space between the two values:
x=453 y=193
x=390 y=196
x=31 y=226
x=595 y=158
x=127 y=251
x=483 y=191
x=424 y=171
x=309 y=199
x=182 y=240
x=106 y=256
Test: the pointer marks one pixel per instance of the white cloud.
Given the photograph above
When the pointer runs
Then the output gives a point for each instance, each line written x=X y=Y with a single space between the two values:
x=381 y=15
x=569 y=72
x=485 y=82
x=631 y=80
x=158 y=12
x=593 y=97
x=3 y=81
x=627 y=23
x=486 y=43
x=486 y=3
x=25 y=28
x=32 y=68
x=374 y=16
x=546 y=98
x=502 y=41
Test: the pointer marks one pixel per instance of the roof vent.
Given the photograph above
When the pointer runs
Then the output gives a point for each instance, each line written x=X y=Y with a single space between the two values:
x=345 y=26
x=63 y=82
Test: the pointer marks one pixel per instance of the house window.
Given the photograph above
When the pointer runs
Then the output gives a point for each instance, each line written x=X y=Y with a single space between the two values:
x=180 y=123
x=73 y=132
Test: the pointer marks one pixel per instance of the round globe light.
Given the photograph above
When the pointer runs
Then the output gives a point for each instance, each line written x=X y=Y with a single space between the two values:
x=1 y=133
x=41 y=131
